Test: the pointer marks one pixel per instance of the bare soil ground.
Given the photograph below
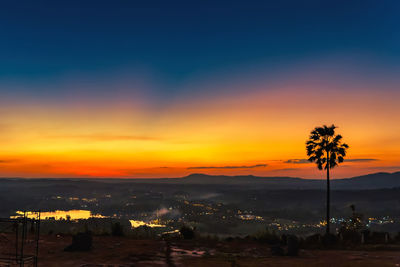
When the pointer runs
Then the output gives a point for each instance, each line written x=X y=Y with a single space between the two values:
x=122 y=252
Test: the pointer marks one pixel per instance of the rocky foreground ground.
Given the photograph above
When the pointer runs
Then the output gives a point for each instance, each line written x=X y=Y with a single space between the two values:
x=122 y=252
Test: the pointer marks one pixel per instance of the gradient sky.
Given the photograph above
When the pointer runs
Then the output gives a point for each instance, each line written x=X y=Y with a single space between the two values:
x=167 y=88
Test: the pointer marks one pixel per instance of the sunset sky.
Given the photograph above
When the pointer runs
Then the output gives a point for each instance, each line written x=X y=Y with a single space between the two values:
x=165 y=89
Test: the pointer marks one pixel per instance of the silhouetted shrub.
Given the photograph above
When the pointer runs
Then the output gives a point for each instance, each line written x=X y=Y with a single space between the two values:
x=80 y=242
x=187 y=232
x=329 y=240
x=313 y=241
x=365 y=236
x=117 y=229
x=277 y=250
x=379 y=237
x=293 y=245
x=268 y=237
x=212 y=238
x=355 y=222
x=229 y=239
x=318 y=241
x=350 y=236
x=352 y=228
x=284 y=240
x=397 y=237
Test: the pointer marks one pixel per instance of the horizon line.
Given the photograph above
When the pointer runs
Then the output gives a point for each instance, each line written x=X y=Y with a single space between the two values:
x=183 y=177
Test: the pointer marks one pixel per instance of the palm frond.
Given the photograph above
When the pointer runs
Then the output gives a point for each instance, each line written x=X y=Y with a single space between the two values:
x=324 y=144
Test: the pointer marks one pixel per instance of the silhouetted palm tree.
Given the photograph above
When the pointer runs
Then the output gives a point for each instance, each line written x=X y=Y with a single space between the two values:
x=326 y=149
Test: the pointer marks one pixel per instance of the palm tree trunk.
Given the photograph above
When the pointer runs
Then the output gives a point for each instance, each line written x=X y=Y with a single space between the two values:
x=328 y=189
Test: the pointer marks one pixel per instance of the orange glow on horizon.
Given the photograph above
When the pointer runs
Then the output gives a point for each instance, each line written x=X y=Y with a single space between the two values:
x=250 y=133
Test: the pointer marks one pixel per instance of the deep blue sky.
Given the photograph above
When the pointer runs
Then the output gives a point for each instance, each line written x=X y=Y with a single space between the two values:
x=122 y=88
x=179 y=40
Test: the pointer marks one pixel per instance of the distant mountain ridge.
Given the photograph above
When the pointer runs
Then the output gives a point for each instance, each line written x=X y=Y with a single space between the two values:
x=370 y=181
x=378 y=180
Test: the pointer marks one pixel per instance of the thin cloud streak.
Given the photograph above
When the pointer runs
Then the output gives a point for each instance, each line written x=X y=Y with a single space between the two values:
x=286 y=169
x=297 y=161
x=108 y=137
x=4 y=161
x=305 y=161
x=389 y=168
x=360 y=160
x=229 y=167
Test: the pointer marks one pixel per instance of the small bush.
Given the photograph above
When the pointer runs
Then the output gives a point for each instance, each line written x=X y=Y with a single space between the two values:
x=117 y=229
x=313 y=241
x=350 y=236
x=397 y=237
x=330 y=240
x=187 y=232
x=268 y=237
x=277 y=250
x=318 y=241
x=293 y=245
x=379 y=238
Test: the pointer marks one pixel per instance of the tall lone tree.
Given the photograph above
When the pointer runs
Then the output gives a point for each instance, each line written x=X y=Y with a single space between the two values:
x=325 y=148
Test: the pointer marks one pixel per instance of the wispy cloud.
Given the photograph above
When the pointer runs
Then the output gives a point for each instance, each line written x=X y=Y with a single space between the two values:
x=360 y=160
x=107 y=137
x=286 y=169
x=229 y=167
x=7 y=161
x=390 y=168
x=296 y=161
x=305 y=161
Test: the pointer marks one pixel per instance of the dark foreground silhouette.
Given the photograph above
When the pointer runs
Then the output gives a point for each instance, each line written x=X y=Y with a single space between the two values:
x=124 y=251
